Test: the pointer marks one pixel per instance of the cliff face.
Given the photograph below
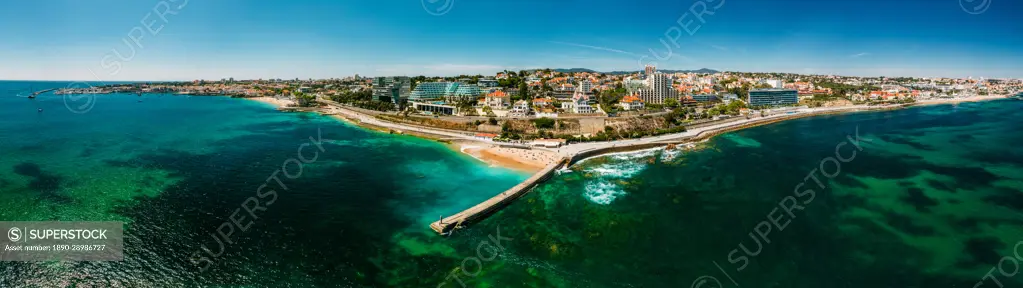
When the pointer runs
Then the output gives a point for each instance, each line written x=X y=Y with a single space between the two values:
x=561 y=126
x=647 y=124
x=583 y=126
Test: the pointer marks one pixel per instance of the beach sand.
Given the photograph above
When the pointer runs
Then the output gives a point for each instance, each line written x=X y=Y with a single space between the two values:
x=525 y=160
x=274 y=101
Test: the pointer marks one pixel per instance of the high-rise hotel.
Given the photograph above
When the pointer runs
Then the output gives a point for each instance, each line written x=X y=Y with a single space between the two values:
x=658 y=88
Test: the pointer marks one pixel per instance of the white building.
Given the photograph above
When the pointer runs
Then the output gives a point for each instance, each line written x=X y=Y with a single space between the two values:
x=581 y=104
x=658 y=88
x=775 y=83
x=497 y=99
x=585 y=86
x=631 y=102
x=520 y=109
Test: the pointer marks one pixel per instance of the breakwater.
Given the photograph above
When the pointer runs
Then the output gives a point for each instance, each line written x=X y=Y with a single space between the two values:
x=446 y=224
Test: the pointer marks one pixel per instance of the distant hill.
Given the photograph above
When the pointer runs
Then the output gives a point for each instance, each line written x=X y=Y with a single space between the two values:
x=580 y=70
x=574 y=70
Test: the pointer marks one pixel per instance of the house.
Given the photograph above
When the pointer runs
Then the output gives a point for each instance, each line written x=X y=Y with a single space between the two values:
x=542 y=102
x=581 y=104
x=631 y=102
x=520 y=109
x=498 y=99
x=876 y=95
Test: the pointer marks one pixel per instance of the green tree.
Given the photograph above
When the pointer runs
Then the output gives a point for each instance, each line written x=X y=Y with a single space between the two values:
x=671 y=103
x=543 y=123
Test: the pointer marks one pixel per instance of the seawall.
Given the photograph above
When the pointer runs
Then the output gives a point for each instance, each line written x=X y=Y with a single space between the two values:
x=484 y=209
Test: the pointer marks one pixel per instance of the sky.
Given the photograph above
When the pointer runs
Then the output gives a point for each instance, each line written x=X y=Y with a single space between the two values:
x=151 y=40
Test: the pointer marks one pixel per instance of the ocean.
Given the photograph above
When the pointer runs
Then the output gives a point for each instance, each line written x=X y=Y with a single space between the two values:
x=919 y=197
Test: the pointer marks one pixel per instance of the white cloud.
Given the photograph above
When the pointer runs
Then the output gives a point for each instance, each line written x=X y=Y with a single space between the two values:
x=596 y=48
x=858 y=55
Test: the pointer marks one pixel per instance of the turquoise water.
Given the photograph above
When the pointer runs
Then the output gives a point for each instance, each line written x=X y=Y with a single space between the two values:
x=933 y=199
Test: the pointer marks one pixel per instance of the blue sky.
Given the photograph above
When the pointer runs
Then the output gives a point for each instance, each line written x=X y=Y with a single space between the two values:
x=213 y=39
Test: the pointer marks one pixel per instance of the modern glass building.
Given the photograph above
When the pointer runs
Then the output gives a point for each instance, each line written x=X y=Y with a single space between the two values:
x=467 y=91
x=433 y=90
x=705 y=97
x=445 y=90
x=391 y=89
x=773 y=97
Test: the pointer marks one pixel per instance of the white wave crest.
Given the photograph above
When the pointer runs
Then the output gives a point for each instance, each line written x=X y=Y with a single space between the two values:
x=603 y=192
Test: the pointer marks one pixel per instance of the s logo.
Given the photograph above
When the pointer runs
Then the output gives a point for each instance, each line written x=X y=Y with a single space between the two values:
x=14 y=234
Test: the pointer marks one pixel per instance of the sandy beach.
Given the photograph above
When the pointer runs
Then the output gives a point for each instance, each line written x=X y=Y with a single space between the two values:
x=526 y=160
x=277 y=102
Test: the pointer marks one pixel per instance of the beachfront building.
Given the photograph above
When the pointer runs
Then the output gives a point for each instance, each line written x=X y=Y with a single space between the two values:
x=392 y=89
x=466 y=92
x=452 y=91
x=432 y=91
x=773 y=97
x=436 y=108
x=548 y=143
x=631 y=102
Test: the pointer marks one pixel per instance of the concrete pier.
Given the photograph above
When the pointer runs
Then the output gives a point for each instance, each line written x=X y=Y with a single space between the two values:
x=484 y=209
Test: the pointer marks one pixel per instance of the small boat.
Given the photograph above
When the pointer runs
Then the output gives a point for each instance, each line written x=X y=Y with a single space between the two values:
x=40 y=110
